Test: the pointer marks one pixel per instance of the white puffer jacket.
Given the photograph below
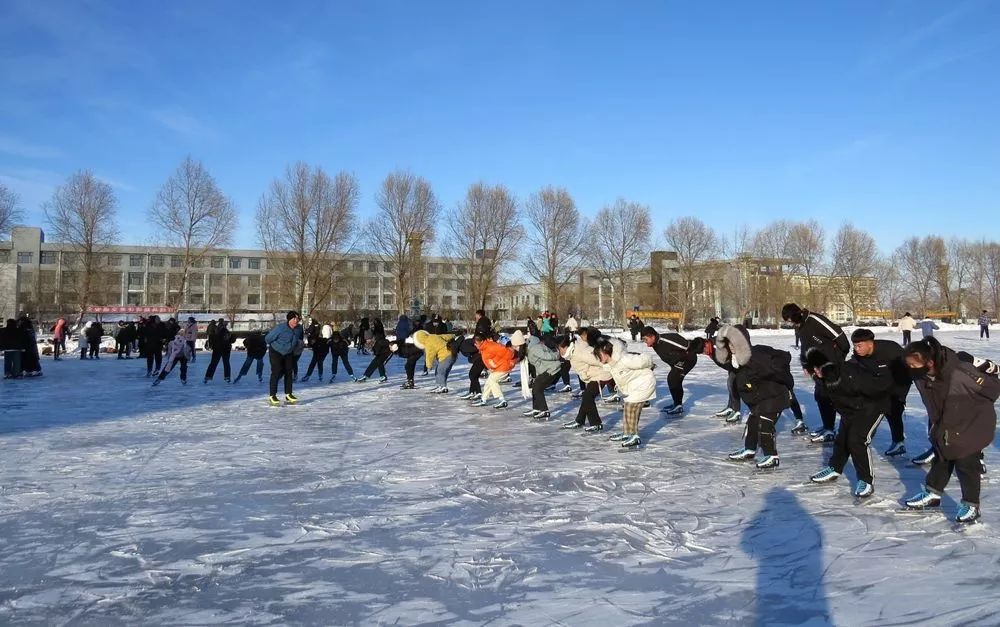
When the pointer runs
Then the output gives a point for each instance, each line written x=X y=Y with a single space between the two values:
x=906 y=323
x=581 y=358
x=633 y=373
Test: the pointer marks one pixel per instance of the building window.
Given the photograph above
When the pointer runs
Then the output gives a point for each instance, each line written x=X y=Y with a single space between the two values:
x=462 y=269
x=460 y=300
x=215 y=299
x=4 y=256
x=135 y=280
x=197 y=299
x=387 y=299
x=432 y=268
x=459 y=284
x=176 y=261
x=253 y=281
x=25 y=257
x=198 y=263
x=373 y=266
x=253 y=299
x=373 y=301
x=215 y=280
x=155 y=298
x=358 y=266
x=217 y=262
x=373 y=283
x=135 y=260
x=156 y=261
x=156 y=279
x=253 y=263
x=48 y=257
x=388 y=266
x=235 y=263
x=134 y=298
x=114 y=260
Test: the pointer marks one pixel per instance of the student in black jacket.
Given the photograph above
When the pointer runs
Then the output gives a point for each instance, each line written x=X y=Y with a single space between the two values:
x=682 y=356
x=256 y=350
x=763 y=380
x=885 y=358
x=381 y=353
x=222 y=347
x=338 y=350
x=861 y=396
x=407 y=350
x=814 y=330
x=468 y=348
x=320 y=349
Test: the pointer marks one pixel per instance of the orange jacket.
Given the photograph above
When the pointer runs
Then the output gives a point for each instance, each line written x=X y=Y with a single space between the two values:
x=496 y=356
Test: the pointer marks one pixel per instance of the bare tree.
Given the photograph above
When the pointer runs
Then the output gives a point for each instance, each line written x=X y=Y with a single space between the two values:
x=191 y=213
x=770 y=247
x=694 y=242
x=918 y=263
x=81 y=214
x=404 y=224
x=855 y=259
x=806 y=248
x=618 y=245
x=303 y=220
x=889 y=288
x=961 y=258
x=10 y=209
x=991 y=270
x=486 y=229
x=555 y=240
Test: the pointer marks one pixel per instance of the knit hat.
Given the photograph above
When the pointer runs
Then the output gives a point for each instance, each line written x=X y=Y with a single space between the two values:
x=517 y=338
x=862 y=335
x=648 y=332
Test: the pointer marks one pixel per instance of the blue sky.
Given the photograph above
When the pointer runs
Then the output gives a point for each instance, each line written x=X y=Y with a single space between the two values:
x=883 y=113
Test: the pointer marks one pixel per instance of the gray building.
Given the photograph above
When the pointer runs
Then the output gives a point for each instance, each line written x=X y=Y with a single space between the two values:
x=231 y=281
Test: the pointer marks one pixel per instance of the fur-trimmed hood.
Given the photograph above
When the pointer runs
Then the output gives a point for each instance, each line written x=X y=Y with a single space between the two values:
x=419 y=338
x=734 y=341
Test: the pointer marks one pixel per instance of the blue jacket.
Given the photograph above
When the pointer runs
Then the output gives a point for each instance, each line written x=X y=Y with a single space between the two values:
x=283 y=338
x=402 y=328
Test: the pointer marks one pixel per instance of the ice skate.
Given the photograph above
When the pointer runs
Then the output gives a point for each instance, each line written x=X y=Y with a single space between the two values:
x=821 y=436
x=291 y=399
x=742 y=455
x=924 y=458
x=572 y=425
x=967 y=513
x=799 y=428
x=673 y=410
x=594 y=428
x=631 y=441
x=501 y=405
x=897 y=448
x=725 y=413
x=825 y=475
x=770 y=462
x=273 y=401
x=923 y=499
x=863 y=489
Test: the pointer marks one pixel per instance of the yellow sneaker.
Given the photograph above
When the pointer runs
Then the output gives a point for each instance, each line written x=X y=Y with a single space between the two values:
x=291 y=399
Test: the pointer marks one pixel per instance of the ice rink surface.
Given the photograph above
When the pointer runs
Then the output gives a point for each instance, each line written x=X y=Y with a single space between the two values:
x=367 y=504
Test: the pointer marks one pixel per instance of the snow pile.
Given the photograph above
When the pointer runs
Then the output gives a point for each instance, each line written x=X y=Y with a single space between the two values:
x=369 y=504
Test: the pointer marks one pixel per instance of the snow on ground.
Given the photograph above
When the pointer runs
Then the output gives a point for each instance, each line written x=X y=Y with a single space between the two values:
x=366 y=504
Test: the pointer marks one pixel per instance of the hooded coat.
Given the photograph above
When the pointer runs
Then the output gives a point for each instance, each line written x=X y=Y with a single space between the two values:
x=543 y=358
x=497 y=357
x=583 y=361
x=763 y=374
x=435 y=346
x=632 y=372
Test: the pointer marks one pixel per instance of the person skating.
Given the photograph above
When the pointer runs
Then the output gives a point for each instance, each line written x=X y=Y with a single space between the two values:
x=381 y=353
x=633 y=374
x=591 y=372
x=470 y=350
x=403 y=328
x=436 y=351
x=885 y=358
x=499 y=360
x=408 y=350
x=907 y=324
x=634 y=325
x=364 y=335
x=281 y=341
x=545 y=362
x=339 y=349
x=861 y=395
x=222 y=347
x=320 y=349
x=960 y=408
x=984 y=325
x=763 y=380
x=256 y=349
x=927 y=327
x=178 y=352
x=190 y=332
x=681 y=354
x=817 y=331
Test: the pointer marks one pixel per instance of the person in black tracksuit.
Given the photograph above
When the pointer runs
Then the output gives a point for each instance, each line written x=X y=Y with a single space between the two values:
x=320 y=349
x=634 y=325
x=256 y=350
x=476 y=367
x=763 y=379
x=154 y=337
x=412 y=355
x=682 y=356
x=885 y=358
x=860 y=394
x=381 y=353
x=814 y=330
x=222 y=348
x=712 y=328
x=339 y=348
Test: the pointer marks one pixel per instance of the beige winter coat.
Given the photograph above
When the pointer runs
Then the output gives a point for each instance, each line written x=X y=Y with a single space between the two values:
x=906 y=323
x=583 y=361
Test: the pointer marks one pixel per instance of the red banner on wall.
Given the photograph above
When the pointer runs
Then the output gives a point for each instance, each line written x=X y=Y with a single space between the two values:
x=128 y=309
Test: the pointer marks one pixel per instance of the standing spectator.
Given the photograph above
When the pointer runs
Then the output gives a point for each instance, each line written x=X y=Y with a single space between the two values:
x=984 y=325
x=222 y=347
x=572 y=325
x=712 y=329
x=94 y=335
x=634 y=325
x=153 y=337
x=32 y=362
x=59 y=338
x=906 y=325
x=120 y=337
x=282 y=340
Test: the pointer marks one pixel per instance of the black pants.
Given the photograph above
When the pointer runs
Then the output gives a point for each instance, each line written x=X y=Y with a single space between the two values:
x=984 y=330
x=347 y=363
x=153 y=355
x=248 y=363
x=475 y=370
x=316 y=362
x=212 y=365
x=759 y=432
x=794 y=405
x=634 y=333
x=411 y=366
x=538 y=386
x=734 y=396
x=852 y=441
x=56 y=345
x=378 y=362
x=906 y=337
x=826 y=409
x=281 y=366
x=588 y=404
x=967 y=469
x=124 y=348
x=95 y=348
x=295 y=366
x=895 y=418
x=193 y=353
x=184 y=370
x=564 y=371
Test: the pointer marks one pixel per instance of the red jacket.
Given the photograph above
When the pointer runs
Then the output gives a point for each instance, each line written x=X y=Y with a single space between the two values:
x=497 y=357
